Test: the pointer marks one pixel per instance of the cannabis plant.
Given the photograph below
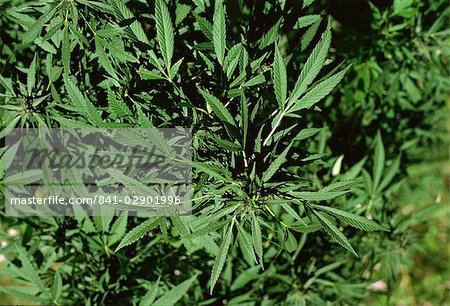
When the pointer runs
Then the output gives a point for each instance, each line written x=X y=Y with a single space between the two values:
x=276 y=216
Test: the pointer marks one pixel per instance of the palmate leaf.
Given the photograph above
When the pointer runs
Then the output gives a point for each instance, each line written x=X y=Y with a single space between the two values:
x=176 y=293
x=279 y=78
x=334 y=232
x=221 y=255
x=217 y=107
x=219 y=31
x=138 y=232
x=351 y=219
x=164 y=31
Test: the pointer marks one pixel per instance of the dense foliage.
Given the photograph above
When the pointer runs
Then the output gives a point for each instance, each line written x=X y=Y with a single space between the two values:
x=311 y=127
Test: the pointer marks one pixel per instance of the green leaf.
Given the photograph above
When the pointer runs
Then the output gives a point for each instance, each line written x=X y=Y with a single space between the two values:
x=351 y=219
x=123 y=13
x=65 y=50
x=319 y=91
x=275 y=165
x=221 y=255
x=321 y=195
x=218 y=108
x=176 y=293
x=306 y=133
x=35 y=29
x=214 y=170
x=307 y=3
x=259 y=79
x=226 y=144
x=257 y=237
x=150 y=75
x=279 y=78
x=29 y=270
x=164 y=31
x=390 y=173
x=232 y=59
x=219 y=31
x=138 y=232
x=334 y=232
x=312 y=67
x=378 y=164
x=306 y=21
x=57 y=286
x=81 y=103
x=271 y=36
x=31 y=76
x=117 y=106
x=205 y=26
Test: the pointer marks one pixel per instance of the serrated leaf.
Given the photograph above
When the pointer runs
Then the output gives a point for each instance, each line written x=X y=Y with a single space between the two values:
x=334 y=232
x=307 y=133
x=164 y=31
x=312 y=67
x=138 y=232
x=226 y=144
x=271 y=36
x=257 y=237
x=319 y=91
x=351 y=219
x=232 y=59
x=259 y=79
x=275 y=165
x=221 y=255
x=279 y=78
x=123 y=13
x=217 y=107
x=65 y=50
x=29 y=270
x=57 y=285
x=306 y=21
x=176 y=293
x=390 y=173
x=214 y=170
x=35 y=29
x=31 y=76
x=117 y=106
x=307 y=3
x=150 y=74
x=205 y=26
x=219 y=31
x=378 y=163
